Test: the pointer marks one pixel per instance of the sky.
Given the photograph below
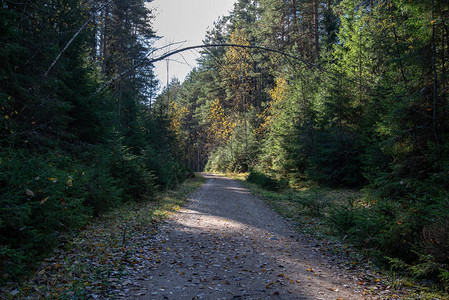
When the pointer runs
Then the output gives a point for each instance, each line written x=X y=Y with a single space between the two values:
x=184 y=21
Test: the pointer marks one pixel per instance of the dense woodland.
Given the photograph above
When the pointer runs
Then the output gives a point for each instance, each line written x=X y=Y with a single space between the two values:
x=358 y=99
x=354 y=95
x=67 y=152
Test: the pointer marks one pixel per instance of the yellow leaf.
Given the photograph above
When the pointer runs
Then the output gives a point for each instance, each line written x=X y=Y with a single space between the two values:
x=44 y=200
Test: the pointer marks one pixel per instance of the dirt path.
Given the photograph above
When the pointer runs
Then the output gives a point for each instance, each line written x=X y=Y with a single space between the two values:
x=226 y=244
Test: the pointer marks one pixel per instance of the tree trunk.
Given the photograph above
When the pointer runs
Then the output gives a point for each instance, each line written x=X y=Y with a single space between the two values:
x=316 y=29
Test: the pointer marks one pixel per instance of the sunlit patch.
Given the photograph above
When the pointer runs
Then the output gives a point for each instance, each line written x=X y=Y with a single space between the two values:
x=237 y=189
x=209 y=222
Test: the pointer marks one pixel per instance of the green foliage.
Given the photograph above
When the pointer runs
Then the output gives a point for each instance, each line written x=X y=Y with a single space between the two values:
x=336 y=160
x=167 y=171
x=69 y=153
x=415 y=233
x=42 y=200
x=132 y=175
x=315 y=201
x=47 y=196
x=265 y=181
x=238 y=154
x=343 y=216
x=444 y=277
x=219 y=160
x=425 y=267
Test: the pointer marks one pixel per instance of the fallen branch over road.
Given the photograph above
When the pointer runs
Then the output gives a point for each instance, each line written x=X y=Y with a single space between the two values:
x=168 y=54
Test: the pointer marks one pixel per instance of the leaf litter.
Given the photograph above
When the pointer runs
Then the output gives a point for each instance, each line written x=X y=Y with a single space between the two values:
x=127 y=253
x=104 y=260
x=228 y=245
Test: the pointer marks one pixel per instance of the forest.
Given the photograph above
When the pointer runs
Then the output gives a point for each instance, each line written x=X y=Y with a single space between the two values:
x=68 y=152
x=356 y=96
x=353 y=94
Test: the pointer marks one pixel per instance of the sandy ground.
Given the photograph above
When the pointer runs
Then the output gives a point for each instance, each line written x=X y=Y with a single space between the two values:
x=226 y=244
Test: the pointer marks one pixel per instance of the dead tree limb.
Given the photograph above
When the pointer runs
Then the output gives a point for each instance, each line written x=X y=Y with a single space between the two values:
x=75 y=35
x=168 y=54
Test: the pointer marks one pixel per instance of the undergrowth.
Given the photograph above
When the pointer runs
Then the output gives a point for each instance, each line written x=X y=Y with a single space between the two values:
x=48 y=195
x=378 y=229
x=86 y=264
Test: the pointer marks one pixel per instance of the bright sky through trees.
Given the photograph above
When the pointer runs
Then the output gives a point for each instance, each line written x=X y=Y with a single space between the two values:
x=184 y=21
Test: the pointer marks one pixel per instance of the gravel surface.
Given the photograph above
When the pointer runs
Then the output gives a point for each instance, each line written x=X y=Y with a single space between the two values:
x=226 y=244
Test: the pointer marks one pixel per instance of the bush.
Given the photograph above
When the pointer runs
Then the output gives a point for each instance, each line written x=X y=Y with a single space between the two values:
x=336 y=160
x=164 y=169
x=47 y=196
x=413 y=233
x=130 y=172
x=314 y=200
x=40 y=203
x=265 y=181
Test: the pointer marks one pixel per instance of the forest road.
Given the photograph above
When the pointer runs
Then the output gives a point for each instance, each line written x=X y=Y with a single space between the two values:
x=226 y=244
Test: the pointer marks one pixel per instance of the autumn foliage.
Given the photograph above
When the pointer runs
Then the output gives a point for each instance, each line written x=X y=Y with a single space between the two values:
x=360 y=102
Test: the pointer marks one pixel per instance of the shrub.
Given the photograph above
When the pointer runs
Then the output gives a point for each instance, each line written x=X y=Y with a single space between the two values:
x=47 y=196
x=336 y=160
x=39 y=204
x=163 y=169
x=314 y=200
x=265 y=181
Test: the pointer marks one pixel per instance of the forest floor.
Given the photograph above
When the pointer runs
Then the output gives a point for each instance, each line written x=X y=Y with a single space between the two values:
x=224 y=243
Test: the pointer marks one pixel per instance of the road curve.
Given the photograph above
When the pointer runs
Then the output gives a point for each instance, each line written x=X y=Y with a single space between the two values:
x=226 y=244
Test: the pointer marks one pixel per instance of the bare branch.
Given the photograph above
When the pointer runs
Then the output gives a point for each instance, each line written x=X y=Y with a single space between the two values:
x=75 y=35
x=168 y=54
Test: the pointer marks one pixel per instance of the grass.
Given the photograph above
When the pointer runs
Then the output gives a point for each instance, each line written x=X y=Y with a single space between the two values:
x=94 y=261
x=304 y=205
x=309 y=206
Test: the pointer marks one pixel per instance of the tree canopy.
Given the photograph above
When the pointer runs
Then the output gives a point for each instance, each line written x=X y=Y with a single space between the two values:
x=364 y=106
x=341 y=93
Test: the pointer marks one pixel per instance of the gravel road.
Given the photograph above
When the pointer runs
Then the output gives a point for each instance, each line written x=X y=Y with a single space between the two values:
x=226 y=244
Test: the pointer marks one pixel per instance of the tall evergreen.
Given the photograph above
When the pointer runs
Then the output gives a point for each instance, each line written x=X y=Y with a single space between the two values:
x=364 y=106
x=68 y=153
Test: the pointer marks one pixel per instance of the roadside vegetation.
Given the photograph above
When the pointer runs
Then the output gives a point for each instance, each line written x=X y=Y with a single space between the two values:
x=360 y=102
x=342 y=218
x=97 y=261
x=346 y=118
x=69 y=153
